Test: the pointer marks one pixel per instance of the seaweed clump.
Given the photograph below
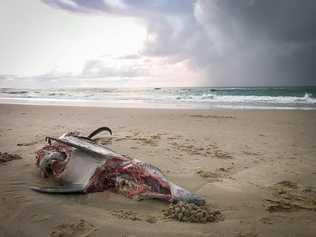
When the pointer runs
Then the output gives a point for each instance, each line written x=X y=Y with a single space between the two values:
x=190 y=212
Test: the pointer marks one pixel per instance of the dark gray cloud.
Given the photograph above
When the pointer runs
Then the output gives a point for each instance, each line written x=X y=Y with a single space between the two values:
x=234 y=42
x=261 y=42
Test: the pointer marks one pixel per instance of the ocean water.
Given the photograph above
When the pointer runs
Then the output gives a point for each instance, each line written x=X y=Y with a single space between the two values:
x=303 y=98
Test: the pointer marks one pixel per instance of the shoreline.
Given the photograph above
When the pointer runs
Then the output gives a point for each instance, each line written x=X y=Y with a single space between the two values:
x=144 y=105
x=246 y=163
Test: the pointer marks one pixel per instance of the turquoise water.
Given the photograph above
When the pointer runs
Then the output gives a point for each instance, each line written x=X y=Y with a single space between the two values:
x=189 y=97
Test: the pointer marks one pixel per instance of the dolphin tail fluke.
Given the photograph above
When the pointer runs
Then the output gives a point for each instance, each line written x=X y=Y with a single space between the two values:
x=99 y=130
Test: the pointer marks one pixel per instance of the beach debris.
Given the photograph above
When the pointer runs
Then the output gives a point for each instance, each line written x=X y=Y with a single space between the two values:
x=27 y=143
x=189 y=212
x=5 y=157
x=290 y=196
x=83 y=166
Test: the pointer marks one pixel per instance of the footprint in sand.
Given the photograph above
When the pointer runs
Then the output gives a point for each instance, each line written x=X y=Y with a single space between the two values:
x=250 y=153
x=218 y=175
x=189 y=149
x=133 y=216
x=222 y=154
x=247 y=234
x=152 y=140
x=208 y=174
x=5 y=157
x=290 y=196
x=126 y=214
x=79 y=229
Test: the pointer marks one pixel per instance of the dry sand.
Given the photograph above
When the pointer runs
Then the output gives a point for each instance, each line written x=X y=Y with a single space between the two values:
x=257 y=167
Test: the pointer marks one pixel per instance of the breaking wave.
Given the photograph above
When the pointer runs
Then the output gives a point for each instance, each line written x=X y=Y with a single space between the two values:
x=294 y=97
x=306 y=99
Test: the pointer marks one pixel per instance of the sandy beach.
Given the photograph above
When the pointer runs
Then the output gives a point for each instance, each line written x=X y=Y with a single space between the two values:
x=257 y=167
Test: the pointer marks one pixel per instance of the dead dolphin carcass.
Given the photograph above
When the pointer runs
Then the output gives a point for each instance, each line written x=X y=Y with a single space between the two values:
x=83 y=166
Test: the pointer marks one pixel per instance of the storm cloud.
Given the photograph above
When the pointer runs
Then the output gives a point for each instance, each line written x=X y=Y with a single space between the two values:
x=217 y=42
x=232 y=42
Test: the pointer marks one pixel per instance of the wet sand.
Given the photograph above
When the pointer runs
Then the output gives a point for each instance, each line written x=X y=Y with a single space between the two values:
x=257 y=167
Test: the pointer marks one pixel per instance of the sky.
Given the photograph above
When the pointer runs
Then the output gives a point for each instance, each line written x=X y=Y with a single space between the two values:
x=157 y=43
